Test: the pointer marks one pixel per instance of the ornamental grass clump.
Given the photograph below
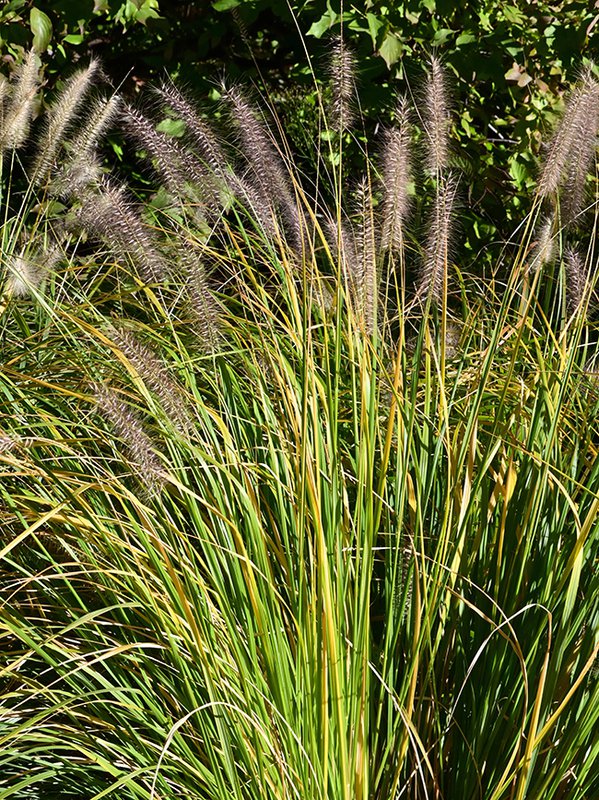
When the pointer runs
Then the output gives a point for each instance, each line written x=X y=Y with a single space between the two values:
x=291 y=522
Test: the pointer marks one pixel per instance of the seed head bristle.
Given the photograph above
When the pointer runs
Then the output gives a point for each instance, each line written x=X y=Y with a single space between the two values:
x=396 y=179
x=342 y=76
x=584 y=145
x=266 y=172
x=199 y=131
x=17 y=119
x=573 y=144
x=436 y=119
x=218 y=184
x=436 y=254
x=4 y=95
x=576 y=279
x=172 y=164
x=202 y=305
x=367 y=283
x=23 y=276
x=83 y=168
x=27 y=269
x=544 y=249
x=59 y=118
x=130 y=430
x=156 y=377
x=110 y=217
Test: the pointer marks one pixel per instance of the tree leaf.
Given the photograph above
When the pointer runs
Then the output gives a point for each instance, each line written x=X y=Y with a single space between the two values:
x=321 y=26
x=465 y=38
x=41 y=27
x=172 y=127
x=225 y=5
x=374 y=26
x=441 y=36
x=391 y=49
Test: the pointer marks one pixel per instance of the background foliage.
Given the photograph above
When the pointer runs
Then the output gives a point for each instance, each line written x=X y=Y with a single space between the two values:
x=509 y=64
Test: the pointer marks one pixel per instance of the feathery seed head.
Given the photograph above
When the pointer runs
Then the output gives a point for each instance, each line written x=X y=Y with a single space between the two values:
x=342 y=76
x=396 y=179
x=60 y=116
x=184 y=176
x=110 y=217
x=202 y=305
x=267 y=177
x=4 y=94
x=23 y=276
x=573 y=146
x=436 y=119
x=29 y=268
x=103 y=114
x=164 y=151
x=576 y=279
x=83 y=167
x=436 y=254
x=199 y=131
x=15 y=125
x=77 y=177
x=367 y=283
x=544 y=250
x=130 y=430
x=155 y=375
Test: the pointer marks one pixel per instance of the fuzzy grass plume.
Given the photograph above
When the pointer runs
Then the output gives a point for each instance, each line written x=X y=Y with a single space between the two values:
x=182 y=174
x=131 y=432
x=342 y=78
x=396 y=179
x=82 y=168
x=434 y=276
x=59 y=118
x=573 y=146
x=436 y=119
x=17 y=116
x=109 y=216
x=148 y=366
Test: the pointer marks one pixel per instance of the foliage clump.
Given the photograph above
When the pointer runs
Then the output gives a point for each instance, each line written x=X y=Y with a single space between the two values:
x=290 y=508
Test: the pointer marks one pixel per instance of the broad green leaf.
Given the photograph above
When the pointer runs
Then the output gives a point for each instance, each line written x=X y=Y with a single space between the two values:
x=374 y=26
x=519 y=172
x=442 y=35
x=41 y=27
x=11 y=7
x=149 y=10
x=321 y=26
x=465 y=38
x=513 y=14
x=391 y=49
x=172 y=127
x=225 y=5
